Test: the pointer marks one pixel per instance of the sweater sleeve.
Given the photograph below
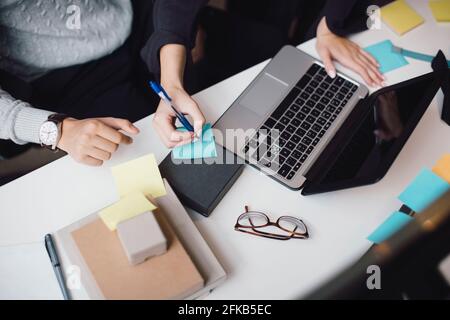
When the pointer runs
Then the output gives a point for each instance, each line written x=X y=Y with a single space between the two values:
x=174 y=22
x=19 y=121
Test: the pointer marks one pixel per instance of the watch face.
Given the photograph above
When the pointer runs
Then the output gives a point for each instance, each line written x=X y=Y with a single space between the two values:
x=48 y=133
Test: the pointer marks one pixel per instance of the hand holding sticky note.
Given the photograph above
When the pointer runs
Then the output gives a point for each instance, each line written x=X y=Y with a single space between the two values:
x=202 y=148
x=139 y=175
x=386 y=57
x=400 y=16
x=128 y=207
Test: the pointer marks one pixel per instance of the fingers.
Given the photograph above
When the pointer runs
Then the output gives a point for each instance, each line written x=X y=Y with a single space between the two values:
x=121 y=124
x=98 y=154
x=112 y=135
x=165 y=128
x=103 y=144
x=327 y=60
x=91 y=161
x=197 y=117
x=370 y=63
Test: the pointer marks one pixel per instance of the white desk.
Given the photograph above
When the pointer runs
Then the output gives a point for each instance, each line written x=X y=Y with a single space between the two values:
x=63 y=191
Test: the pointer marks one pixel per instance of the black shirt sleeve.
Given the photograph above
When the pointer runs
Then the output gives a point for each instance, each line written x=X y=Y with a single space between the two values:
x=173 y=22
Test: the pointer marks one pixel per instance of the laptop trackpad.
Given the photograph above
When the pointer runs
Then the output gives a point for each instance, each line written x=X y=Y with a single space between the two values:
x=266 y=92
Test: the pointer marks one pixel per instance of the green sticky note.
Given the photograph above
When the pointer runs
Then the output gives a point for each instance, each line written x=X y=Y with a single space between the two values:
x=202 y=148
x=386 y=57
x=391 y=225
x=424 y=190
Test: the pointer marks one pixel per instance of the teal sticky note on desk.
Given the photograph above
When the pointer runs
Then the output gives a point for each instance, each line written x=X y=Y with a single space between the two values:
x=390 y=226
x=424 y=190
x=202 y=148
x=388 y=59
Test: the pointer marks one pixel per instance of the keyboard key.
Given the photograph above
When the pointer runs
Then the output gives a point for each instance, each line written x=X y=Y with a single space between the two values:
x=333 y=117
x=297 y=166
x=314 y=84
x=321 y=121
x=295 y=107
x=331 y=109
x=297 y=154
x=302 y=83
x=315 y=113
x=315 y=97
x=334 y=88
x=338 y=110
x=300 y=116
x=354 y=88
x=324 y=85
x=285 y=152
x=289 y=114
x=301 y=147
x=320 y=107
x=327 y=125
x=323 y=72
x=281 y=142
x=344 y=90
x=291 y=161
x=305 y=125
x=310 y=103
x=300 y=132
x=300 y=102
x=315 y=141
x=290 y=175
x=321 y=133
x=316 y=127
x=335 y=102
x=310 y=119
x=329 y=94
x=290 y=145
x=284 y=170
x=313 y=69
x=306 y=140
x=339 y=81
x=340 y=96
x=286 y=103
x=303 y=158
x=311 y=134
x=328 y=79
x=285 y=135
x=285 y=120
x=295 y=122
x=304 y=95
x=326 y=115
x=270 y=123
x=306 y=109
x=290 y=129
x=309 y=89
x=280 y=127
x=309 y=150
x=325 y=100
x=295 y=138
x=348 y=84
x=320 y=91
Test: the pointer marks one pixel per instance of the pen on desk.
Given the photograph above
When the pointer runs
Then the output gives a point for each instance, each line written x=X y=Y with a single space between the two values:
x=159 y=90
x=54 y=259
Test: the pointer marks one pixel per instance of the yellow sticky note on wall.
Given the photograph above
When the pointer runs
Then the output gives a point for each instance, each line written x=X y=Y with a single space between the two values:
x=442 y=168
x=126 y=208
x=139 y=175
x=440 y=10
x=400 y=16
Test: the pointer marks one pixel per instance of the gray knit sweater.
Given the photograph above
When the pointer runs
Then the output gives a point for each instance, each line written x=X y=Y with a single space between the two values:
x=41 y=35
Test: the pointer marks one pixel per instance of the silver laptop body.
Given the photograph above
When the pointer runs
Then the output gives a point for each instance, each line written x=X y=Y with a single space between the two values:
x=293 y=91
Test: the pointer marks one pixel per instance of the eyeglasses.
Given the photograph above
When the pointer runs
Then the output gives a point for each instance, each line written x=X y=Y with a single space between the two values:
x=290 y=227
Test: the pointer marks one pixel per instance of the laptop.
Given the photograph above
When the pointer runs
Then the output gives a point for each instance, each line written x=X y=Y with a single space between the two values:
x=307 y=130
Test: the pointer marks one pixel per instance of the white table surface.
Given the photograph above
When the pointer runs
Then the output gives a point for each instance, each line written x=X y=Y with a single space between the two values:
x=64 y=191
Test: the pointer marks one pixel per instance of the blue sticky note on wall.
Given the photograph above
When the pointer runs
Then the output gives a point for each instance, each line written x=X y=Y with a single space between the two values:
x=390 y=226
x=424 y=190
x=202 y=148
x=388 y=59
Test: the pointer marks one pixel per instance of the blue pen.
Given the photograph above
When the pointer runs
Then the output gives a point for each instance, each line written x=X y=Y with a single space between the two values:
x=165 y=97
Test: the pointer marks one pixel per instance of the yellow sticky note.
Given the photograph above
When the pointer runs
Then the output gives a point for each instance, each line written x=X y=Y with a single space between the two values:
x=440 y=10
x=139 y=175
x=400 y=16
x=126 y=208
x=442 y=167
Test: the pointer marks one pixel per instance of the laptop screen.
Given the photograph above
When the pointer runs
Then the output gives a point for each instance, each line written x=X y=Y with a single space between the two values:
x=374 y=146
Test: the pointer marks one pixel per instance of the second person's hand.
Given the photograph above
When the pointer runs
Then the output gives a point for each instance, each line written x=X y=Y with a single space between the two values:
x=93 y=141
x=332 y=47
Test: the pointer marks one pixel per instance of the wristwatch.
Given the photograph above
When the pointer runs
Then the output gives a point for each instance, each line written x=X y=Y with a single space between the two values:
x=50 y=131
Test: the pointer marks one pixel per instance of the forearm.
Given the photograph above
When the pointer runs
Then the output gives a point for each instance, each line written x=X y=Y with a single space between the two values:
x=172 y=61
x=19 y=121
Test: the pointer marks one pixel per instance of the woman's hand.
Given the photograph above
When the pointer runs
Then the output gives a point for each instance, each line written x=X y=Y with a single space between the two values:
x=349 y=54
x=93 y=141
x=164 y=118
x=173 y=60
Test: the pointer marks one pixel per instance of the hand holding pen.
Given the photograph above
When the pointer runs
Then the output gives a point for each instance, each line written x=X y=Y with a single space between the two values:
x=176 y=104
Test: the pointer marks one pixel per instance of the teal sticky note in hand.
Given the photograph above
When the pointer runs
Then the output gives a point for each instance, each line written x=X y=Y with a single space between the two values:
x=391 y=225
x=424 y=190
x=386 y=57
x=202 y=148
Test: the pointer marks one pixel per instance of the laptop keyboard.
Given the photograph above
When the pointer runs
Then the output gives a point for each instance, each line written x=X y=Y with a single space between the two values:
x=302 y=119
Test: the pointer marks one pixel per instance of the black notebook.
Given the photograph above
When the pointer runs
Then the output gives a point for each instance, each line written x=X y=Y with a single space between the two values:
x=200 y=184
